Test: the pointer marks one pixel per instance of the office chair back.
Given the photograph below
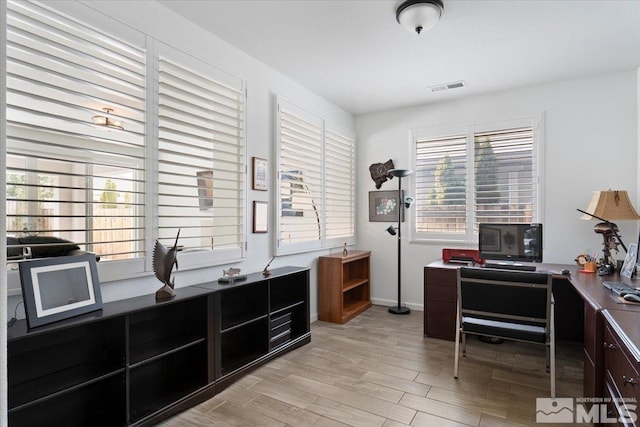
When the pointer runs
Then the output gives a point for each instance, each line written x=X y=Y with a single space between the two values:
x=509 y=304
x=506 y=304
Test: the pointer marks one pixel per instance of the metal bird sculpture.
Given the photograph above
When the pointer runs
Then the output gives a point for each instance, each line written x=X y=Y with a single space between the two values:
x=163 y=261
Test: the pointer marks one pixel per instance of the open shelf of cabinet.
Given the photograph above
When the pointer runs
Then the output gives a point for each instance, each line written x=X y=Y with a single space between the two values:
x=138 y=361
x=167 y=355
x=164 y=380
x=344 y=288
x=259 y=318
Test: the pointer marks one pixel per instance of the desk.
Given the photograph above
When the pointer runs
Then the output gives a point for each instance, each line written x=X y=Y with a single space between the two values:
x=579 y=303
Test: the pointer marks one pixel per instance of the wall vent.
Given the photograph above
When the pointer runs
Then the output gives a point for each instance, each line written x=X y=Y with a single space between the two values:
x=447 y=86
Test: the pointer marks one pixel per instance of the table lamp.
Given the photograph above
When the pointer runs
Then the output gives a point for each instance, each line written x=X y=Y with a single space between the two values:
x=607 y=206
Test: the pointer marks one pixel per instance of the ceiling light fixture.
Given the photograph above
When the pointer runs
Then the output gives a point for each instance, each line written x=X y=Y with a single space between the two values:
x=106 y=121
x=419 y=15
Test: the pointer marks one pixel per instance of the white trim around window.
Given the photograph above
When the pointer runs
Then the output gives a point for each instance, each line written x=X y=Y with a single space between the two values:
x=443 y=181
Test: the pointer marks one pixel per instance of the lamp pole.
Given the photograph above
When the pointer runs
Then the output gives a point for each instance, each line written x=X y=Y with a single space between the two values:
x=399 y=173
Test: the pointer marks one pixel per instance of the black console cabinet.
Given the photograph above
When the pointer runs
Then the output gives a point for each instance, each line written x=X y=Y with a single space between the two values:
x=136 y=361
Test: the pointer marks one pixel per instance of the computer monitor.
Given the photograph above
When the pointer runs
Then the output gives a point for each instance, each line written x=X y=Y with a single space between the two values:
x=510 y=242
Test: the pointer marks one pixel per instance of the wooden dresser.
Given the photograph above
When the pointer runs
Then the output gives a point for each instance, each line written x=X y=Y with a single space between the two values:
x=622 y=365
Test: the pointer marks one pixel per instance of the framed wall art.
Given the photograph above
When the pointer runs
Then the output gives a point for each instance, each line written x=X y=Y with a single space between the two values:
x=260 y=217
x=58 y=288
x=384 y=205
x=260 y=174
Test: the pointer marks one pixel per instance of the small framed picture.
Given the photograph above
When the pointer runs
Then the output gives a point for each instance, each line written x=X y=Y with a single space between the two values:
x=58 y=288
x=384 y=206
x=260 y=217
x=260 y=174
x=629 y=264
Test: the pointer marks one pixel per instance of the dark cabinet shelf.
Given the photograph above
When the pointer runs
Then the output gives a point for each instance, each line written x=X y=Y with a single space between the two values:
x=242 y=304
x=243 y=344
x=160 y=330
x=103 y=402
x=166 y=379
x=52 y=362
x=137 y=361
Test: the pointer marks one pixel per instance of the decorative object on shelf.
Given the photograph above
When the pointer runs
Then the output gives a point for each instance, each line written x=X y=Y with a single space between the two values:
x=266 y=272
x=260 y=217
x=612 y=205
x=231 y=275
x=205 y=189
x=58 y=288
x=399 y=173
x=384 y=206
x=419 y=15
x=345 y=252
x=260 y=174
x=163 y=261
x=106 y=120
x=380 y=172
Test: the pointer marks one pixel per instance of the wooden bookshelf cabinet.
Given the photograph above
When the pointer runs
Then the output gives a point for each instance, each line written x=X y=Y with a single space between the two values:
x=344 y=288
x=136 y=362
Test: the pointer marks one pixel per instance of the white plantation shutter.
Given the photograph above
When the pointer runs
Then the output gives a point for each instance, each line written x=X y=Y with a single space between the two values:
x=316 y=181
x=479 y=173
x=201 y=157
x=505 y=180
x=300 y=210
x=441 y=169
x=66 y=176
x=340 y=176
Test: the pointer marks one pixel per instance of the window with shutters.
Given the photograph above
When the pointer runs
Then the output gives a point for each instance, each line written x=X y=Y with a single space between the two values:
x=475 y=174
x=67 y=176
x=316 y=182
x=340 y=178
x=113 y=142
x=201 y=157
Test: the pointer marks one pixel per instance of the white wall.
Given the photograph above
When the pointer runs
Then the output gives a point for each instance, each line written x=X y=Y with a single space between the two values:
x=591 y=143
x=263 y=83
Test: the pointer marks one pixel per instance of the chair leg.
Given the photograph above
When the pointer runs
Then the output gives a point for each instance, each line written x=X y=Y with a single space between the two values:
x=457 y=344
x=552 y=356
x=464 y=345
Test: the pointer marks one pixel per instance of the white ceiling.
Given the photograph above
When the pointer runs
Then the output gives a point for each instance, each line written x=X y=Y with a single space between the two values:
x=354 y=53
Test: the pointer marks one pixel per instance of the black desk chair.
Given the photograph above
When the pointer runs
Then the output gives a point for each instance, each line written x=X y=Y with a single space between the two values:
x=511 y=305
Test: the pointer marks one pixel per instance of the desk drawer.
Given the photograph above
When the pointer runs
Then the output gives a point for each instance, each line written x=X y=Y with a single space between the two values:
x=441 y=293
x=618 y=369
x=441 y=277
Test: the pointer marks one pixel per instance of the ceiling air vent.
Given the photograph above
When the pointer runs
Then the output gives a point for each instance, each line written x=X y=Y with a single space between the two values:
x=447 y=86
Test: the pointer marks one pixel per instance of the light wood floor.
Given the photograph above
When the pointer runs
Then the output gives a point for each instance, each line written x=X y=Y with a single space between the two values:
x=379 y=370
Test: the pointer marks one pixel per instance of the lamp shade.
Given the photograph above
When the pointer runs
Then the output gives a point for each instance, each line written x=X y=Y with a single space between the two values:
x=611 y=205
x=419 y=15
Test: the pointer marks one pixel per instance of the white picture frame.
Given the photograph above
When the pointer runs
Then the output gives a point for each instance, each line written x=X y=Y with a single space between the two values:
x=629 y=264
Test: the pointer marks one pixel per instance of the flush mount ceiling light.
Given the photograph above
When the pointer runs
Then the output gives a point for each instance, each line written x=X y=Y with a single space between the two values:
x=419 y=15
x=106 y=120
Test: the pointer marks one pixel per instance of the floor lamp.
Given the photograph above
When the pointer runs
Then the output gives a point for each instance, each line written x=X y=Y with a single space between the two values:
x=399 y=173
